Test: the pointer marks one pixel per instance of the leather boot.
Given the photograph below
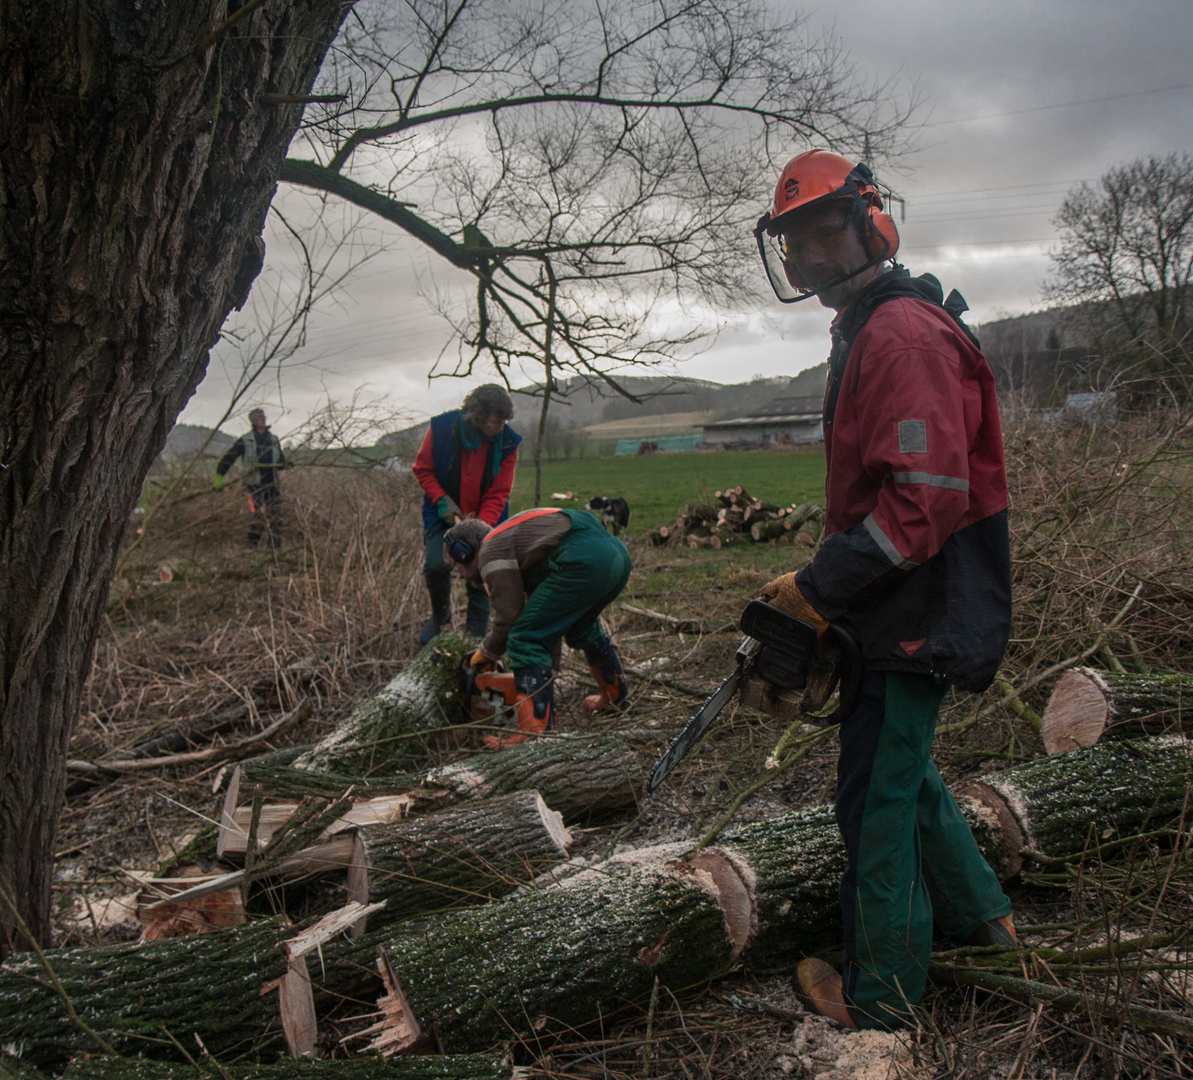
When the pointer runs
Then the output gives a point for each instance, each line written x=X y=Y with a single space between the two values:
x=606 y=669
x=820 y=986
x=440 y=587
x=534 y=706
x=995 y=932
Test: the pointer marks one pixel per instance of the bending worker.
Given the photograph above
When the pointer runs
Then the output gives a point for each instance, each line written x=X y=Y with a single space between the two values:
x=465 y=467
x=550 y=573
x=260 y=452
x=915 y=565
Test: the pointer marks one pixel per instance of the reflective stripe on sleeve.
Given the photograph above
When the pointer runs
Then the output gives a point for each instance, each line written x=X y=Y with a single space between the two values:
x=953 y=482
x=499 y=564
x=884 y=542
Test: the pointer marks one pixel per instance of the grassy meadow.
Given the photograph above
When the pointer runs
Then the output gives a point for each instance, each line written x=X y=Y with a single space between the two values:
x=658 y=485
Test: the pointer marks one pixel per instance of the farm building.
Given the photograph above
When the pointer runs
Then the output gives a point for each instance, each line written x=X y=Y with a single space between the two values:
x=791 y=418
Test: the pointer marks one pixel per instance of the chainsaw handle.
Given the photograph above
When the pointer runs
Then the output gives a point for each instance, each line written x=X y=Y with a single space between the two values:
x=851 y=674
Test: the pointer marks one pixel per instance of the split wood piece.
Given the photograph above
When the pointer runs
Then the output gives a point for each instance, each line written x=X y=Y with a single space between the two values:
x=1088 y=705
x=398 y=1031
x=393 y=730
x=216 y=911
x=296 y=1002
x=491 y=1066
x=584 y=776
x=463 y=855
x=365 y=812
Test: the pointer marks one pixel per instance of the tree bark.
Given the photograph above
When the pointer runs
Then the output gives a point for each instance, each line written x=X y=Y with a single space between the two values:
x=1087 y=705
x=584 y=937
x=572 y=951
x=583 y=777
x=393 y=730
x=137 y=162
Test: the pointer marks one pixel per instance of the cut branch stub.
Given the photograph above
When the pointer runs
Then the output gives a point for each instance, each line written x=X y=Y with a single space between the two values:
x=1088 y=705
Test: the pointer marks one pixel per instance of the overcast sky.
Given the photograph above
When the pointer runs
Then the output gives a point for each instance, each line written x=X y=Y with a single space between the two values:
x=1021 y=101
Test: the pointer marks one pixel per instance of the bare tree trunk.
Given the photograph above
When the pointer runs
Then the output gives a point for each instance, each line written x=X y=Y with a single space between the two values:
x=547 y=356
x=139 y=151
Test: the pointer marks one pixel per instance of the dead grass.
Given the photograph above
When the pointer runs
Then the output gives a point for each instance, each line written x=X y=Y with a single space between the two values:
x=1103 y=574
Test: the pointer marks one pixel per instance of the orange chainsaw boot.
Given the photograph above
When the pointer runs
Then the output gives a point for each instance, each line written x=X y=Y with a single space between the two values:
x=534 y=706
x=605 y=665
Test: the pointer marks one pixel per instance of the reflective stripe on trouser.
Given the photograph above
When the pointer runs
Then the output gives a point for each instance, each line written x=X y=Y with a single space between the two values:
x=436 y=567
x=911 y=855
x=585 y=573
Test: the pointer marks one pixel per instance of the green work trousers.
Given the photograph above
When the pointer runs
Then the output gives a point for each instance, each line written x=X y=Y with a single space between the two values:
x=582 y=576
x=912 y=859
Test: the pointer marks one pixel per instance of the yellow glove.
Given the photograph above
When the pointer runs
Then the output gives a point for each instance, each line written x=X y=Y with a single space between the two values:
x=785 y=594
x=482 y=661
x=218 y=482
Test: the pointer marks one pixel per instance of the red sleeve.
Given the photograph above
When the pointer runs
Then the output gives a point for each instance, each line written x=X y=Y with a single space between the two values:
x=498 y=494
x=424 y=469
x=914 y=442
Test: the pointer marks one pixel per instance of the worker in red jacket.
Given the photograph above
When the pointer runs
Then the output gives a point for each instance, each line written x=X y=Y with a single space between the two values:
x=915 y=565
x=465 y=467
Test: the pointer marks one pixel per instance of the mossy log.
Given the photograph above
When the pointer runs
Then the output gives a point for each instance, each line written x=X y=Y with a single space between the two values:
x=1067 y=804
x=366 y=1067
x=762 y=531
x=583 y=776
x=570 y=952
x=463 y=855
x=392 y=730
x=1088 y=705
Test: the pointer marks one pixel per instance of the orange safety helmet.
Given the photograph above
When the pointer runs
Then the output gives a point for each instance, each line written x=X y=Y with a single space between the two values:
x=809 y=179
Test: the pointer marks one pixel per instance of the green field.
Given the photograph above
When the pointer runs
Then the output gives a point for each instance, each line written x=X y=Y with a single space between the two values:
x=657 y=486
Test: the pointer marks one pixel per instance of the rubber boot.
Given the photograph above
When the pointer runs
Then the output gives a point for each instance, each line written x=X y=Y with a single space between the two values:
x=477 y=619
x=606 y=669
x=534 y=706
x=440 y=588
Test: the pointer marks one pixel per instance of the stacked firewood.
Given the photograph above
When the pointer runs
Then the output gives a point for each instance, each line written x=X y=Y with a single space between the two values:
x=738 y=518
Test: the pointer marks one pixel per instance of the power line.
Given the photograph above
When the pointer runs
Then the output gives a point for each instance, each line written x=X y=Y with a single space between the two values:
x=1064 y=105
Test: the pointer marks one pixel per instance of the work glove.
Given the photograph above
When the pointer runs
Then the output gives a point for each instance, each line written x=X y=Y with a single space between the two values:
x=218 y=483
x=785 y=594
x=481 y=661
x=448 y=511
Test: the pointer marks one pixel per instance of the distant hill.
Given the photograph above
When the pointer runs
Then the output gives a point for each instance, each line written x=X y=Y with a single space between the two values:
x=185 y=439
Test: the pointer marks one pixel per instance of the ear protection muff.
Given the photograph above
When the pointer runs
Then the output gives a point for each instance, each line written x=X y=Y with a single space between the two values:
x=459 y=551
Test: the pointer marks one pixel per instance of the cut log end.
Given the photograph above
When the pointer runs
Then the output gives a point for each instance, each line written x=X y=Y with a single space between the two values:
x=1077 y=712
x=991 y=804
x=553 y=825
x=734 y=895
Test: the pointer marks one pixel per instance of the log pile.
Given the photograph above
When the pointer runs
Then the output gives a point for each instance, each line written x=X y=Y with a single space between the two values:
x=564 y=950
x=736 y=518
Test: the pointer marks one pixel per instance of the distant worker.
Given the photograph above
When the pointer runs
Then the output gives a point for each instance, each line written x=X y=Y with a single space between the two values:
x=465 y=467
x=261 y=456
x=915 y=565
x=550 y=574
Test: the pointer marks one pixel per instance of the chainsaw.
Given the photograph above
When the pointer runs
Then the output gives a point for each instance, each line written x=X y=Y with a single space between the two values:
x=781 y=668
x=489 y=695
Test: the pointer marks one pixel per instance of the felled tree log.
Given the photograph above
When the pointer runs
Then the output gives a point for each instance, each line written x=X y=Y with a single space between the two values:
x=464 y=855
x=370 y=1067
x=582 y=776
x=391 y=731
x=1065 y=804
x=571 y=952
x=766 y=530
x=1087 y=706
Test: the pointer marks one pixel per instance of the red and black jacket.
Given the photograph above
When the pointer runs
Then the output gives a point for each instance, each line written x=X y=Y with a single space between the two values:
x=916 y=561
